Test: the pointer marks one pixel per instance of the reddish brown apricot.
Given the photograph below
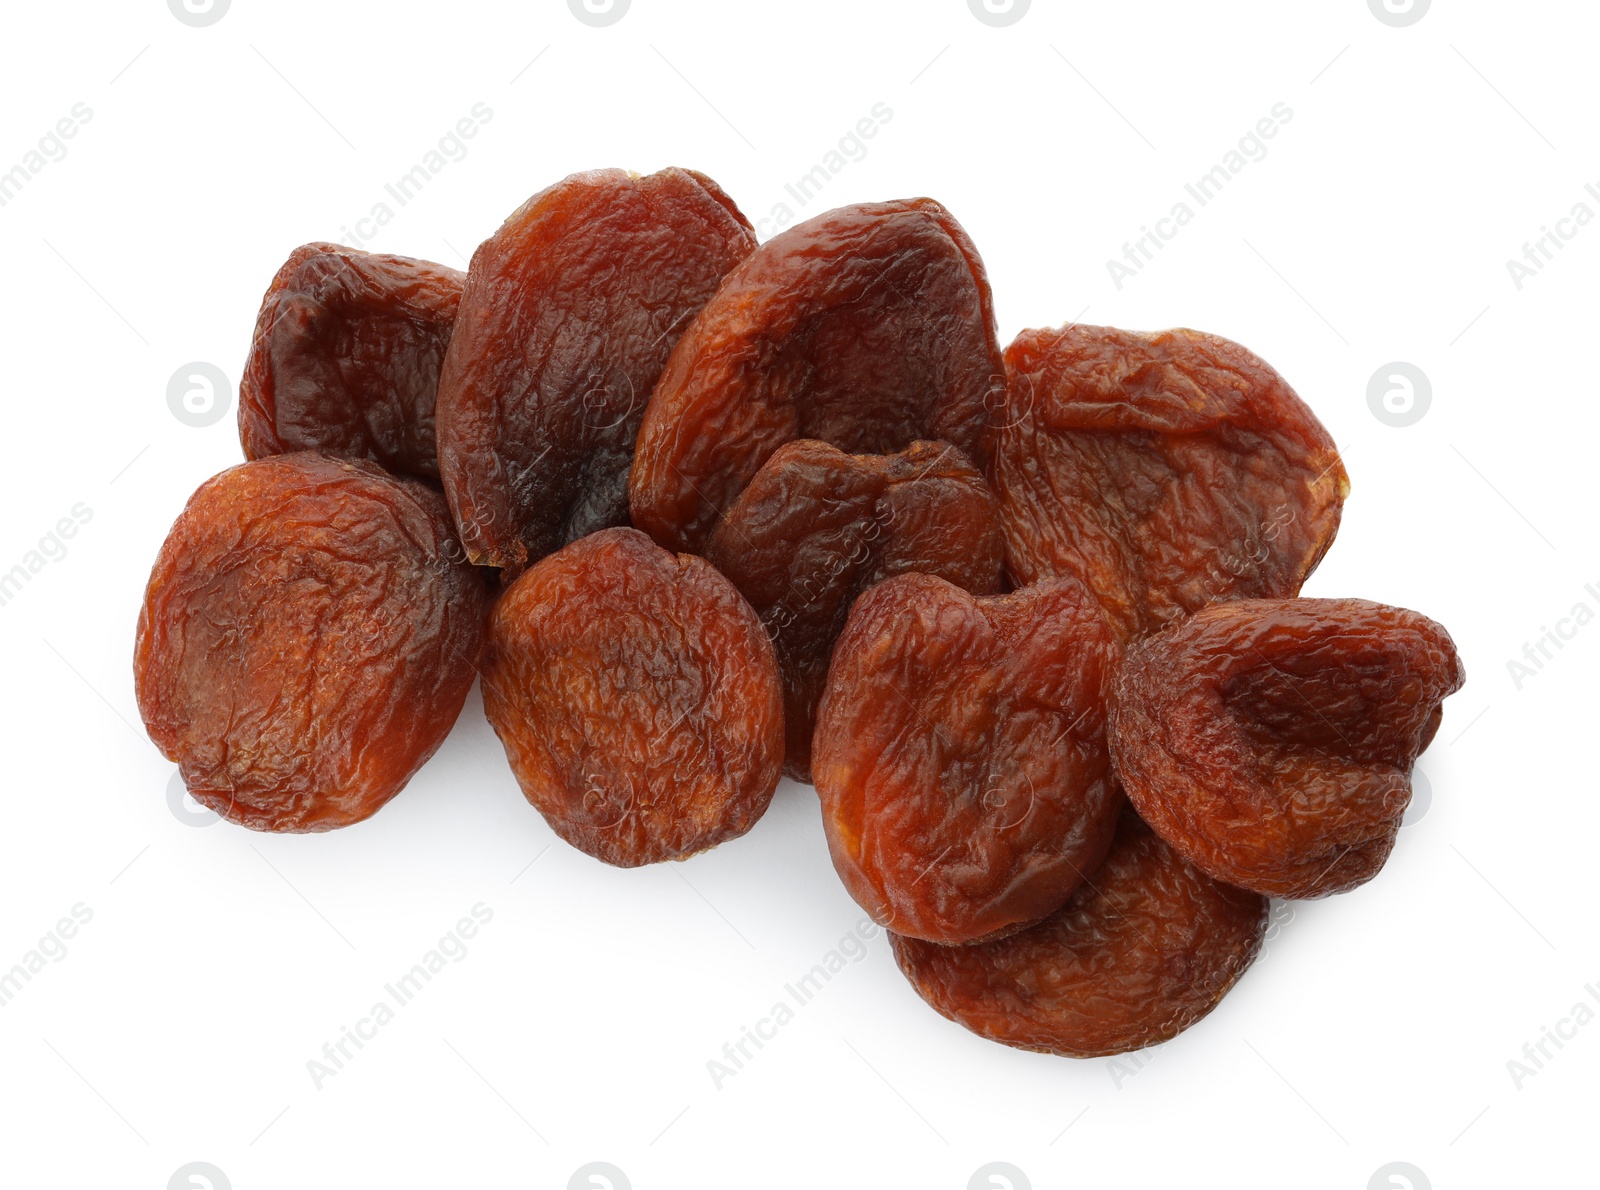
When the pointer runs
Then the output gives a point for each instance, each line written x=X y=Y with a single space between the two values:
x=637 y=697
x=569 y=313
x=817 y=526
x=1145 y=948
x=307 y=640
x=960 y=754
x=1165 y=470
x=866 y=328
x=346 y=356
x=1271 y=741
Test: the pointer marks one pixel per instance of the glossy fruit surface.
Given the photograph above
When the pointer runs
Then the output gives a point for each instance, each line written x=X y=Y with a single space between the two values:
x=960 y=754
x=570 y=311
x=867 y=328
x=1167 y=471
x=346 y=358
x=637 y=697
x=1271 y=741
x=307 y=640
x=1144 y=949
x=817 y=526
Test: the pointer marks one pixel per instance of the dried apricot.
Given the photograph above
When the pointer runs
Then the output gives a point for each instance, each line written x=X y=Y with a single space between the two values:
x=307 y=640
x=346 y=357
x=1165 y=470
x=817 y=526
x=1271 y=741
x=866 y=328
x=1145 y=948
x=569 y=313
x=637 y=697
x=960 y=754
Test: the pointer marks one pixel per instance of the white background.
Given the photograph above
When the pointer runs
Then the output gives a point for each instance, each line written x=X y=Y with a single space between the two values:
x=1378 y=1026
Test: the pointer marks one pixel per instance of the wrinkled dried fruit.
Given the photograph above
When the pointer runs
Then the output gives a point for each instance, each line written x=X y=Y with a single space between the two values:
x=1143 y=950
x=346 y=358
x=1167 y=471
x=1271 y=741
x=637 y=697
x=307 y=640
x=817 y=526
x=570 y=311
x=866 y=328
x=961 y=756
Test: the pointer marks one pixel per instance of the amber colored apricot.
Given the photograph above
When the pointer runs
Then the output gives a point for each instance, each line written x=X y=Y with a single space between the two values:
x=308 y=637
x=569 y=313
x=1167 y=471
x=637 y=697
x=960 y=754
x=1145 y=948
x=346 y=357
x=817 y=526
x=1271 y=742
x=867 y=328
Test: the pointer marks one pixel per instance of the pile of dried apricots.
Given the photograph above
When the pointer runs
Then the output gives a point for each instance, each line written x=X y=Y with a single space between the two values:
x=700 y=512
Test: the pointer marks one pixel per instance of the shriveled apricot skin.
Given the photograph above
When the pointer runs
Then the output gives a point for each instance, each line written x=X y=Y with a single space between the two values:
x=960 y=754
x=346 y=357
x=1165 y=470
x=307 y=640
x=867 y=328
x=817 y=526
x=637 y=697
x=570 y=311
x=1271 y=742
x=1143 y=950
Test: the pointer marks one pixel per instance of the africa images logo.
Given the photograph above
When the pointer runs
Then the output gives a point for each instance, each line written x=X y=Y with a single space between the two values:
x=1399 y=13
x=599 y=13
x=199 y=1175
x=199 y=13
x=199 y=394
x=1399 y=394
x=598 y=1175
x=999 y=1175
x=999 y=13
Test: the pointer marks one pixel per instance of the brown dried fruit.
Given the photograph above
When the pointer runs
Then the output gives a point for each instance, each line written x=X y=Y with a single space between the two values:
x=1271 y=741
x=1143 y=950
x=307 y=640
x=866 y=328
x=960 y=754
x=570 y=311
x=1165 y=470
x=817 y=526
x=637 y=697
x=346 y=358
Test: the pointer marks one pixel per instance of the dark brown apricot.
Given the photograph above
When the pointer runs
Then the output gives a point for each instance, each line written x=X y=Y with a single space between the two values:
x=1167 y=471
x=867 y=328
x=346 y=357
x=307 y=640
x=960 y=754
x=570 y=311
x=1271 y=742
x=637 y=697
x=817 y=526
x=1144 y=949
